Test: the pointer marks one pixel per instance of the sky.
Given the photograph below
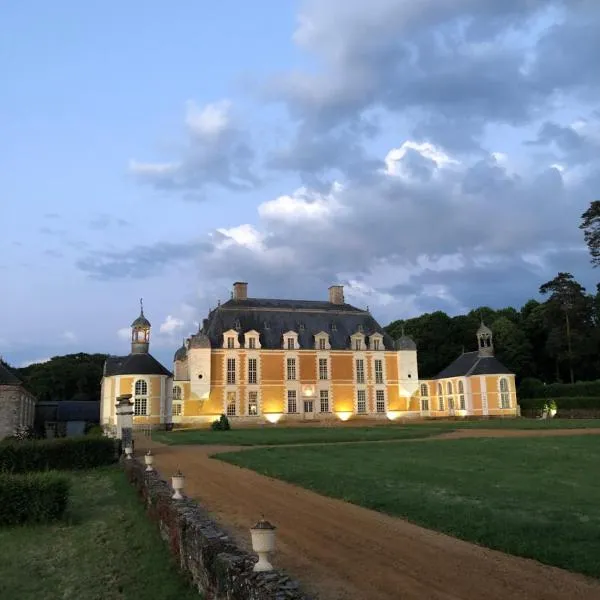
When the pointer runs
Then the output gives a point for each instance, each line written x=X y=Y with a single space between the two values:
x=427 y=155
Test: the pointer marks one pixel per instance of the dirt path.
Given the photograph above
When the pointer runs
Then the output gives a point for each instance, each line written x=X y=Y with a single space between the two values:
x=344 y=552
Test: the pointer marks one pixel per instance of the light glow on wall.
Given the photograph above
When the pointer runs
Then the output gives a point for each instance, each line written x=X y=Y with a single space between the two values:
x=273 y=417
x=344 y=415
x=392 y=415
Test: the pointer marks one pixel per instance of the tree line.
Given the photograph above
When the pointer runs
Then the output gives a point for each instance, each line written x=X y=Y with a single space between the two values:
x=555 y=340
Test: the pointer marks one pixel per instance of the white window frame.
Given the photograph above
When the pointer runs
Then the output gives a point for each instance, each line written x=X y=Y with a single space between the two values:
x=462 y=403
x=440 y=396
x=359 y=374
x=291 y=372
x=362 y=392
x=231 y=380
x=228 y=402
x=254 y=380
x=141 y=398
x=293 y=336
x=231 y=333
x=288 y=394
x=248 y=401
x=327 y=369
x=324 y=401
x=252 y=336
x=322 y=337
x=376 y=337
x=381 y=371
x=357 y=342
x=177 y=409
x=380 y=392
x=503 y=395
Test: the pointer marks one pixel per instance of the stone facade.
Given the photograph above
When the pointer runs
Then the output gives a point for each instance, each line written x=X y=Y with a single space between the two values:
x=17 y=409
x=218 y=569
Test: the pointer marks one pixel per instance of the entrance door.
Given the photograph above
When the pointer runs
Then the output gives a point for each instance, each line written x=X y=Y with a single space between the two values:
x=309 y=412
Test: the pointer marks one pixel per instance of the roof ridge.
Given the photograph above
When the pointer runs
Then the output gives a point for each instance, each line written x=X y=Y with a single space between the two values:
x=473 y=366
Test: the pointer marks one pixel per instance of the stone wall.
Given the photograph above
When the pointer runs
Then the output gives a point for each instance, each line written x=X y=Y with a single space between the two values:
x=17 y=407
x=216 y=566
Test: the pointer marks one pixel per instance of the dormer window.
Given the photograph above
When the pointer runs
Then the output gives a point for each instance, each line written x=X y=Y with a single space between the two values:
x=231 y=339
x=251 y=339
x=376 y=342
x=322 y=344
x=322 y=341
x=237 y=325
x=290 y=340
x=358 y=344
x=333 y=327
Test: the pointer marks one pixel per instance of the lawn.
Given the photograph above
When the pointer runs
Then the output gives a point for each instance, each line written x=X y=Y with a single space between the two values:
x=106 y=548
x=532 y=497
x=277 y=435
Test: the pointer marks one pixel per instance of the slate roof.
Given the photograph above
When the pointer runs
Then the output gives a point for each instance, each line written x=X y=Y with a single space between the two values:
x=470 y=363
x=134 y=364
x=271 y=318
x=69 y=410
x=7 y=377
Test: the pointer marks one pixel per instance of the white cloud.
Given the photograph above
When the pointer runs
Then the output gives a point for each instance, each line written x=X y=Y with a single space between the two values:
x=210 y=120
x=124 y=333
x=69 y=336
x=38 y=361
x=171 y=325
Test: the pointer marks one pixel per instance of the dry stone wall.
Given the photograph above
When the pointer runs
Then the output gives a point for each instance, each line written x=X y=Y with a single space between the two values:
x=216 y=566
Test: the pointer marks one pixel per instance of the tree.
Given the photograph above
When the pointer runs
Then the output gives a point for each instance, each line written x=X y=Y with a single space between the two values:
x=513 y=347
x=568 y=298
x=590 y=224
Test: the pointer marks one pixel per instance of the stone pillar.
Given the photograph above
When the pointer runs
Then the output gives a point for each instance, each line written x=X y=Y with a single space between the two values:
x=124 y=412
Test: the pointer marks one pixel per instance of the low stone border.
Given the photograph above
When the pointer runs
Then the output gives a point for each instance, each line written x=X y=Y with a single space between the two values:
x=218 y=568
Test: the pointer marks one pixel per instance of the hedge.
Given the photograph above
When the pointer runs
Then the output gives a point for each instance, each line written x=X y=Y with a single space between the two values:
x=534 y=388
x=61 y=454
x=33 y=497
x=582 y=402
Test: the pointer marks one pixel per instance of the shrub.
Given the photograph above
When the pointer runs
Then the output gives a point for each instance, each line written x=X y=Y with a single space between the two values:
x=94 y=430
x=60 y=454
x=32 y=498
x=565 y=403
x=221 y=424
x=534 y=388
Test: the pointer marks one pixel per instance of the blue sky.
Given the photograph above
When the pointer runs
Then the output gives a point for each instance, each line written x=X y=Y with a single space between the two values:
x=166 y=151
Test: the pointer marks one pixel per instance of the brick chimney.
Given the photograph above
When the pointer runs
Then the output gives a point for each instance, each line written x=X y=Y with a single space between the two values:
x=240 y=290
x=336 y=294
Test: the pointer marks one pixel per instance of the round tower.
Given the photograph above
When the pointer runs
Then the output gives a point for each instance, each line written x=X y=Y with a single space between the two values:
x=140 y=333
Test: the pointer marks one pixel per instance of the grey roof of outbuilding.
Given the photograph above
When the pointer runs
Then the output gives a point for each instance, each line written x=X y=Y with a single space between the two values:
x=470 y=363
x=134 y=364
x=7 y=377
x=272 y=318
x=69 y=410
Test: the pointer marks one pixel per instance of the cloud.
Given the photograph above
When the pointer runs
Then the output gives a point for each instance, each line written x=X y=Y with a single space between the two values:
x=104 y=221
x=171 y=325
x=137 y=263
x=69 y=336
x=217 y=153
x=37 y=361
x=124 y=333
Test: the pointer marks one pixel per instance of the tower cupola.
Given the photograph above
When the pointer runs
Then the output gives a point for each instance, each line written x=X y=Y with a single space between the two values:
x=140 y=333
x=485 y=340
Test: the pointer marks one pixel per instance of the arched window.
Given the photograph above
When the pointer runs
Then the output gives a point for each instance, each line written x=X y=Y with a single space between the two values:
x=140 y=399
x=450 y=391
x=424 y=397
x=461 y=396
x=176 y=392
x=440 y=396
x=504 y=393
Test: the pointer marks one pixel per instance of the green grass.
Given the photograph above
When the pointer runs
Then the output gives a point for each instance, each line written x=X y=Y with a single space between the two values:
x=277 y=435
x=520 y=423
x=105 y=549
x=532 y=497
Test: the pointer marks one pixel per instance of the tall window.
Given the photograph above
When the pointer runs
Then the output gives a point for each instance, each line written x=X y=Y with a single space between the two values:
x=323 y=368
x=231 y=404
x=252 y=370
x=140 y=401
x=230 y=342
x=375 y=344
x=253 y=403
x=251 y=342
x=324 y=397
x=441 y=396
x=177 y=409
x=461 y=395
x=361 y=401
x=230 y=370
x=380 y=401
x=291 y=368
x=504 y=394
x=378 y=371
x=292 y=401
x=360 y=370
x=358 y=344
x=450 y=395
x=424 y=390
x=290 y=343
x=424 y=403
x=176 y=392
x=322 y=344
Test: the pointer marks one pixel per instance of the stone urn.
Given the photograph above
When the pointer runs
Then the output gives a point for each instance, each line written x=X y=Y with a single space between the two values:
x=128 y=452
x=263 y=543
x=177 y=482
x=149 y=460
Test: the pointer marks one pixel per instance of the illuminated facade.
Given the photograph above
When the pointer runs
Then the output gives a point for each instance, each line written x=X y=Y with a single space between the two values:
x=259 y=360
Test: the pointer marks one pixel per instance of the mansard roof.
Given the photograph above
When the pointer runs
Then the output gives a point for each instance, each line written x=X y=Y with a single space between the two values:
x=7 y=377
x=134 y=364
x=471 y=363
x=271 y=318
